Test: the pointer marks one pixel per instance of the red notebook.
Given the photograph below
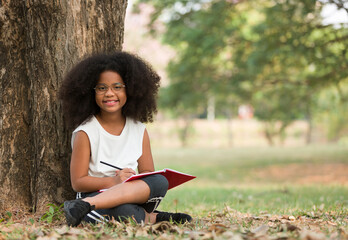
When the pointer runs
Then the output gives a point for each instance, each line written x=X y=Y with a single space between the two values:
x=174 y=178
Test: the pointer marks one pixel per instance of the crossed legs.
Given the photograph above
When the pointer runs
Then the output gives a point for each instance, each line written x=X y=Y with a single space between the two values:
x=136 y=199
x=135 y=192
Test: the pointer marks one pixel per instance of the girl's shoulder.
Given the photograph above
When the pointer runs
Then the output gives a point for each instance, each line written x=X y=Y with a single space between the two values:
x=87 y=125
x=135 y=124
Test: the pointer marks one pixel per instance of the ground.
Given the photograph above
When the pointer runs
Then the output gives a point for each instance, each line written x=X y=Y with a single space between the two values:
x=252 y=193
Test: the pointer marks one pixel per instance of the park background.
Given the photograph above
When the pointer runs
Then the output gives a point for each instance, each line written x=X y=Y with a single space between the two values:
x=295 y=103
x=269 y=141
x=254 y=103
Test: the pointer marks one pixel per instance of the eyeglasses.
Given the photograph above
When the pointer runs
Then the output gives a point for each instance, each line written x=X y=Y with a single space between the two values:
x=103 y=88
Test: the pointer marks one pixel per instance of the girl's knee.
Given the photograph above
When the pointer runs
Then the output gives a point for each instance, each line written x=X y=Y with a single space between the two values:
x=158 y=185
x=162 y=181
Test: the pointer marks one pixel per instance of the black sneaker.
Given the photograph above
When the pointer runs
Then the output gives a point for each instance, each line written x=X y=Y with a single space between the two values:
x=75 y=211
x=175 y=217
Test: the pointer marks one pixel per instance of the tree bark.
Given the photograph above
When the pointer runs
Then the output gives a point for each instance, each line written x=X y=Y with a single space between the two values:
x=40 y=41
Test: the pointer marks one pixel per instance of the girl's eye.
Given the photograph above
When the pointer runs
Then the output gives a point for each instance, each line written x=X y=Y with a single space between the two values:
x=102 y=88
x=117 y=87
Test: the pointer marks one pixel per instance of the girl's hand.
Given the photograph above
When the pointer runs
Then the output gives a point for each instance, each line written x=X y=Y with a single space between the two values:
x=122 y=175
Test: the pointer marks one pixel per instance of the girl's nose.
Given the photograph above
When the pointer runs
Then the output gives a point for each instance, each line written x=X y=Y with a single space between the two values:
x=109 y=92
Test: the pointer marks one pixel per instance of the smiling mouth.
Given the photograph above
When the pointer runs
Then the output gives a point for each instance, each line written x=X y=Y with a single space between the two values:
x=111 y=103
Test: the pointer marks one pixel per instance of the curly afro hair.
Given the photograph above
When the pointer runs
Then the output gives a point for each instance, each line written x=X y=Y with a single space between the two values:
x=78 y=95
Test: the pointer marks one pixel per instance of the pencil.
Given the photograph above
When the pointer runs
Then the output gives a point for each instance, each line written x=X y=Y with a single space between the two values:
x=110 y=165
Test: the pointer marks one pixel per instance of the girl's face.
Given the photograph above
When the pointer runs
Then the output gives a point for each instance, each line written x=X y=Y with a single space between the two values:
x=110 y=92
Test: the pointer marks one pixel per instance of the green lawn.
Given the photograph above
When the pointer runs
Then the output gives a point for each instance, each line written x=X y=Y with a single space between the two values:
x=231 y=177
x=291 y=200
x=245 y=193
x=235 y=164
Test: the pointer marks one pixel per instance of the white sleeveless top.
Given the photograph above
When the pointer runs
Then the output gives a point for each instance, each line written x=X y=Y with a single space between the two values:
x=122 y=151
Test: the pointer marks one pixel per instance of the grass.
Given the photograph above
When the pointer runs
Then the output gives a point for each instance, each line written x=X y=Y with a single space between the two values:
x=230 y=177
x=258 y=166
x=237 y=164
x=244 y=193
x=290 y=200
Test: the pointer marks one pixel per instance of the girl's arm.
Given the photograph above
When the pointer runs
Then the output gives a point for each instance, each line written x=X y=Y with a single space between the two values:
x=80 y=180
x=145 y=162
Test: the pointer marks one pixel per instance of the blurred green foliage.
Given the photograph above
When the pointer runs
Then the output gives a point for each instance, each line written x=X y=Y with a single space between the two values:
x=276 y=55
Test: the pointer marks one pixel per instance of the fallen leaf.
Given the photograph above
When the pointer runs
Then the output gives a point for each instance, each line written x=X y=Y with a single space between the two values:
x=260 y=231
x=129 y=230
x=45 y=238
x=63 y=230
x=162 y=227
x=291 y=227
x=53 y=235
x=37 y=232
x=231 y=235
x=142 y=232
x=207 y=235
x=332 y=223
x=310 y=235
x=282 y=236
x=194 y=234
x=165 y=236
x=74 y=231
x=218 y=228
x=6 y=229
x=272 y=225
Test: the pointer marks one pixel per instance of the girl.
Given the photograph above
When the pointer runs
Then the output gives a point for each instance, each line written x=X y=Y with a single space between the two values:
x=108 y=98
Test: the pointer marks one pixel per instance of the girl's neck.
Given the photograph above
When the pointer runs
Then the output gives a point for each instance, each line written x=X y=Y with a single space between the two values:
x=112 y=123
x=110 y=118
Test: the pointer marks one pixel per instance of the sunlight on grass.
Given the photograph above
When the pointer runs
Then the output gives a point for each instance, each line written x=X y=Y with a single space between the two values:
x=261 y=199
x=240 y=165
x=273 y=180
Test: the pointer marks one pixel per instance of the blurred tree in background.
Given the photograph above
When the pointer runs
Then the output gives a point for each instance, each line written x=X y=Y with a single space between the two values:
x=276 y=55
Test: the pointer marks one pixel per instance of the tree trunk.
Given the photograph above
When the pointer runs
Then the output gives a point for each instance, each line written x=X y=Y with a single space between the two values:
x=228 y=113
x=309 y=131
x=185 y=130
x=269 y=133
x=211 y=108
x=40 y=41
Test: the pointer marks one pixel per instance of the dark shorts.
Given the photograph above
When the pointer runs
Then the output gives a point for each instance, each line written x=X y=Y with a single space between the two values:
x=158 y=185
